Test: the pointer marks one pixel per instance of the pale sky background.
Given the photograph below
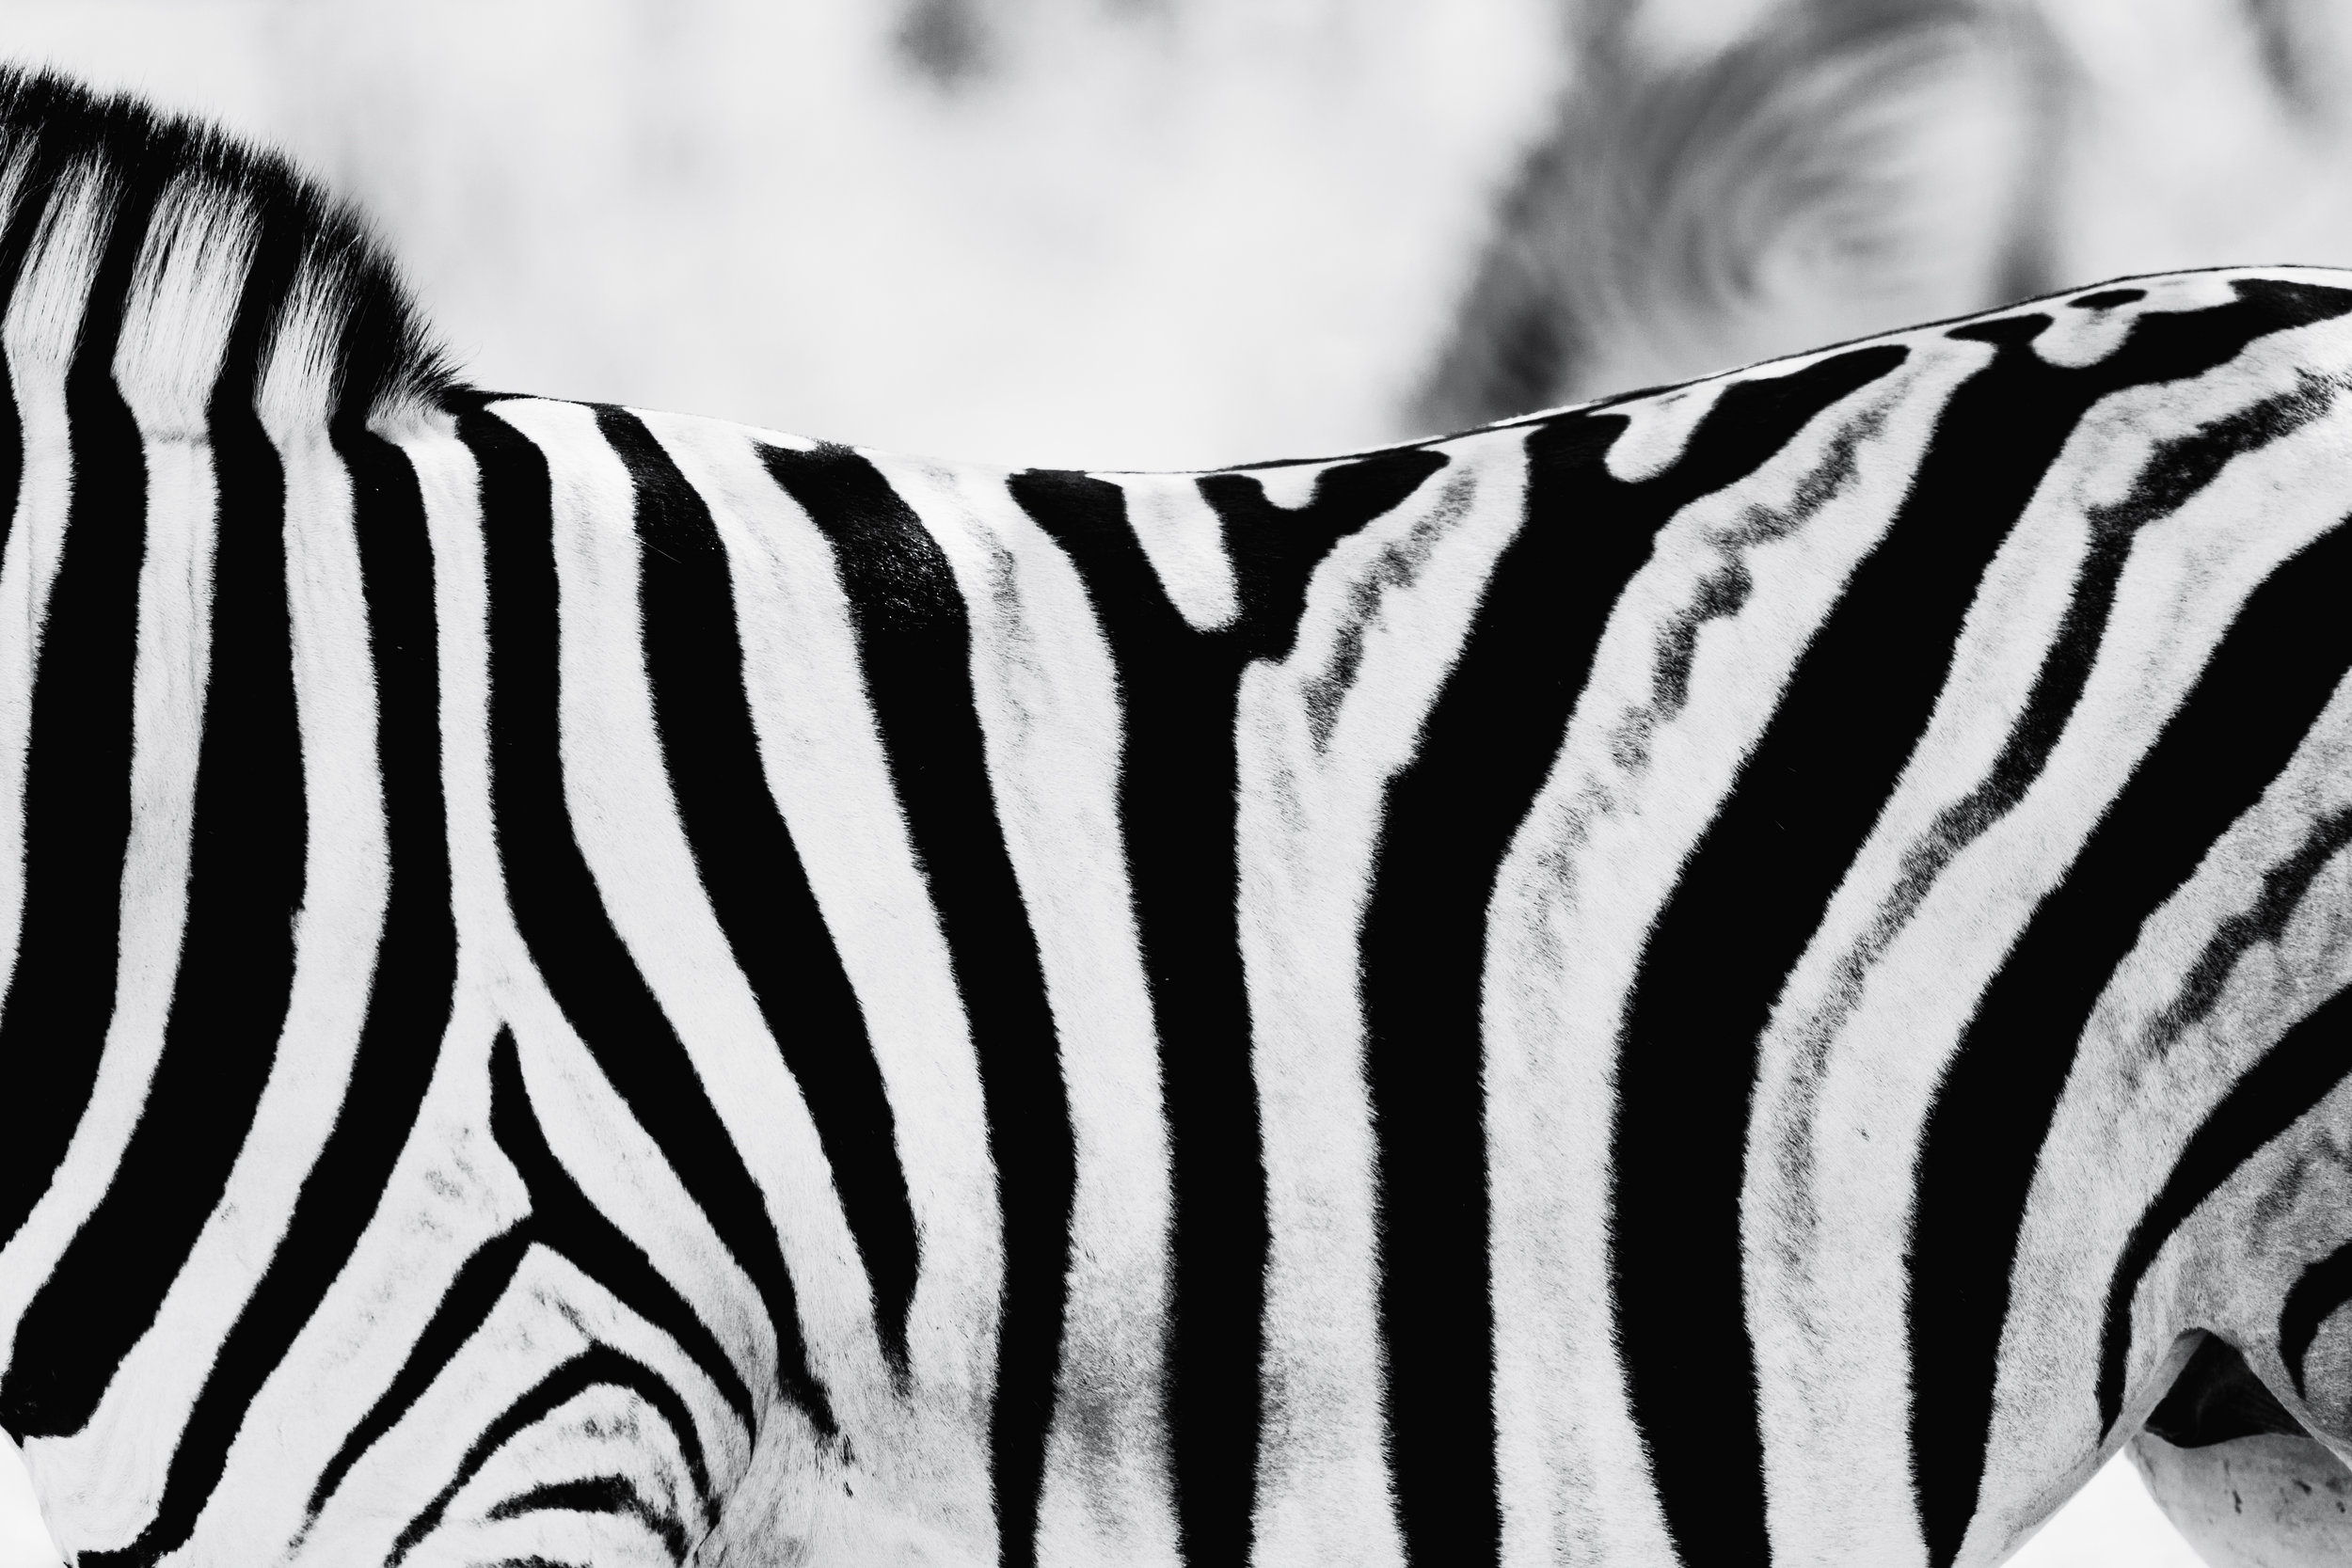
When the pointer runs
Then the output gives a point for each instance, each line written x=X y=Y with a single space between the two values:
x=1137 y=243
x=1154 y=233
x=1150 y=232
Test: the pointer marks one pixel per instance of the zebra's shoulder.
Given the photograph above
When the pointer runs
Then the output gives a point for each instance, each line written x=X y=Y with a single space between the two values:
x=192 y=266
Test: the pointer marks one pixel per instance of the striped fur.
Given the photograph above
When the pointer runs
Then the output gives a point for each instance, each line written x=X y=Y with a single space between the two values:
x=1726 y=975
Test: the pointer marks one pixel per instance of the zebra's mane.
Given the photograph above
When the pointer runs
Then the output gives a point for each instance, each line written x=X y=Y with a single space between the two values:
x=191 y=266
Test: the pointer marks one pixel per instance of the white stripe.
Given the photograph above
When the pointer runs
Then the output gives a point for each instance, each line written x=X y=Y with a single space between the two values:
x=2077 y=338
x=550 y=1313
x=924 y=1458
x=1047 y=697
x=27 y=567
x=117 y=1455
x=51 y=292
x=1828 y=1322
x=44 y=317
x=1386 y=612
x=448 y=1192
x=1658 y=429
x=602 y=1431
x=167 y=705
x=1183 y=539
x=617 y=791
x=619 y=1169
x=181 y=308
x=1600 y=850
x=1289 y=485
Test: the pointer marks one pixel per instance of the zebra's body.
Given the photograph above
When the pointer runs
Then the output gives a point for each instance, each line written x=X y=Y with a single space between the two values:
x=1723 y=976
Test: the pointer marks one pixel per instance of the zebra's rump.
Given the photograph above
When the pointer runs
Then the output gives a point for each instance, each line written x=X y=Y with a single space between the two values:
x=1722 y=976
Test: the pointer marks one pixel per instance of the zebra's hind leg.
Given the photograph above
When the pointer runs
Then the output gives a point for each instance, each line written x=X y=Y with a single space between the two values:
x=2238 y=1475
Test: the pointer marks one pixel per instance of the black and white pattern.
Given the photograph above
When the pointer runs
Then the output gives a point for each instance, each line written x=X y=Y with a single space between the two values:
x=1727 y=974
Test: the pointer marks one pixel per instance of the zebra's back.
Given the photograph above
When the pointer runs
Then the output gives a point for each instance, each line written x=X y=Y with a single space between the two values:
x=1722 y=976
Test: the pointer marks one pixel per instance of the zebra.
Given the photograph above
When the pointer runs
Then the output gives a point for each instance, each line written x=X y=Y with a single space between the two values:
x=1743 y=972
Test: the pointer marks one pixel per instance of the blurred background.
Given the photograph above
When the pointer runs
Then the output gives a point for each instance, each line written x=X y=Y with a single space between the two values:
x=1136 y=233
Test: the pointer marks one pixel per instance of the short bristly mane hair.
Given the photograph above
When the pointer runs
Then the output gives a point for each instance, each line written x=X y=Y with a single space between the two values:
x=163 y=251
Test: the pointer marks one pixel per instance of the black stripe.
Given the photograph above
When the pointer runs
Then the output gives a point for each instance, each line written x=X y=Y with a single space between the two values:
x=2294 y=1075
x=69 y=124
x=561 y=913
x=1749 y=897
x=1179 y=688
x=14 y=241
x=1275 y=550
x=2282 y=889
x=1490 y=740
x=236 y=959
x=2177 y=468
x=2287 y=1081
x=464 y=1306
x=915 y=646
x=599 y=1365
x=563 y=1220
x=1985 y=1131
x=408 y=1001
x=613 y=1495
x=2314 y=1297
x=1176 y=811
x=751 y=871
x=77 y=782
